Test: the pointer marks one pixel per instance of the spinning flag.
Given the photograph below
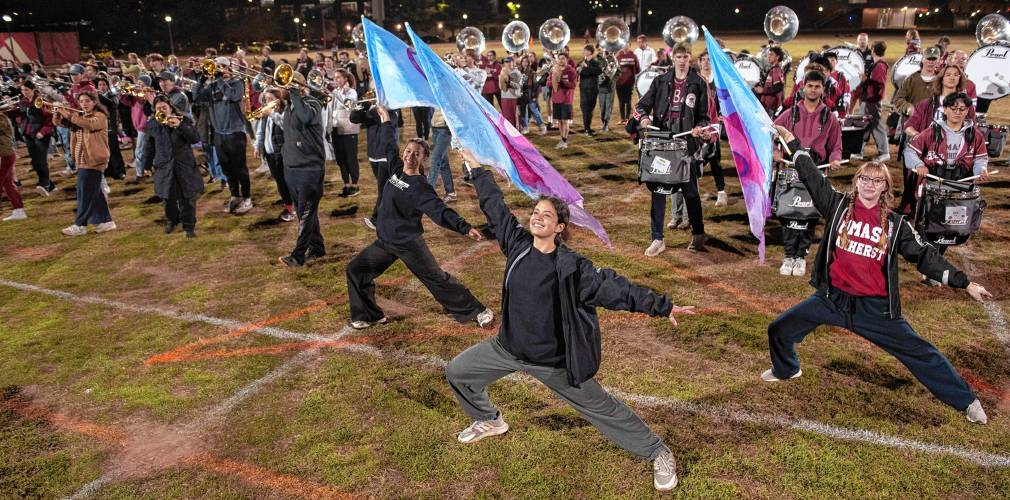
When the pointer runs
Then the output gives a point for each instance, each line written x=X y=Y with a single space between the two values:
x=417 y=76
x=749 y=130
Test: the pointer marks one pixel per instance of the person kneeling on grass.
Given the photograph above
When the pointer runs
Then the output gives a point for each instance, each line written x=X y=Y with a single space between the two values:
x=549 y=328
x=405 y=198
x=89 y=148
x=177 y=180
x=856 y=276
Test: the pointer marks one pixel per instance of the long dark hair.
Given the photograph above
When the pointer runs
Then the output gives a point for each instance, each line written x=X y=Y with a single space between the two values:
x=93 y=95
x=561 y=208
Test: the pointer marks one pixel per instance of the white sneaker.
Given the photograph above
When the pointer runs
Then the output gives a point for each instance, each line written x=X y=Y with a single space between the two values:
x=564 y=144
x=231 y=204
x=856 y=156
x=657 y=247
x=787 y=266
x=42 y=191
x=720 y=199
x=368 y=223
x=882 y=158
x=485 y=318
x=799 y=267
x=17 y=214
x=976 y=414
x=244 y=207
x=543 y=129
x=768 y=376
x=75 y=230
x=264 y=168
x=664 y=471
x=105 y=227
x=526 y=130
x=449 y=198
x=361 y=325
x=481 y=429
x=673 y=223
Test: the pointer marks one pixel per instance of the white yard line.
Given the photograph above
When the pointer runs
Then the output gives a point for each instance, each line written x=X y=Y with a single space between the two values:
x=992 y=308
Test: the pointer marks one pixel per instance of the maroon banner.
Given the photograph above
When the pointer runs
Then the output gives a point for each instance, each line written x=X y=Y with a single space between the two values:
x=18 y=46
x=46 y=46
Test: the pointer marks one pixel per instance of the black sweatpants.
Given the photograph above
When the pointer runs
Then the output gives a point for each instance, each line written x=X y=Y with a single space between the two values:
x=866 y=317
x=587 y=103
x=691 y=197
x=380 y=169
x=422 y=121
x=180 y=209
x=231 y=155
x=624 y=101
x=345 y=150
x=377 y=257
x=797 y=235
x=713 y=159
x=276 y=163
x=38 y=150
x=306 y=185
x=116 y=168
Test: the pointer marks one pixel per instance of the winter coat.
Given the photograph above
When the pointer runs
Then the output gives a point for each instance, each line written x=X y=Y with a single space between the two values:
x=170 y=151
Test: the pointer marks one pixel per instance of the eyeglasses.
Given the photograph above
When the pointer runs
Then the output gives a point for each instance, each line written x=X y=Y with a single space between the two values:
x=959 y=109
x=877 y=181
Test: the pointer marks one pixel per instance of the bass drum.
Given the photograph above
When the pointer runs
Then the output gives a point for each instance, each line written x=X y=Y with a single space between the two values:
x=905 y=67
x=749 y=68
x=645 y=78
x=989 y=68
x=850 y=64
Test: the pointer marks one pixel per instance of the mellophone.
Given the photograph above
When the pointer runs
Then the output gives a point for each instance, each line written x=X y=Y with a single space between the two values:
x=949 y=211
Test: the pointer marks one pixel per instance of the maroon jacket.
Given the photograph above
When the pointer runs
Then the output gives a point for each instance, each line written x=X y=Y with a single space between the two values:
x=566 y=87
x=823 y=139
x=872 y=89
x=493 y=70
x=925 y=113
x=628 y=63
x=931 y=148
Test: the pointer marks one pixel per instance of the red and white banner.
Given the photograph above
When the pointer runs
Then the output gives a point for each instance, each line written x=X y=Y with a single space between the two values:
x=48 y=47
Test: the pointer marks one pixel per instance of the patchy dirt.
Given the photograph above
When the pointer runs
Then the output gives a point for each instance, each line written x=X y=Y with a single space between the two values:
x=33 y=254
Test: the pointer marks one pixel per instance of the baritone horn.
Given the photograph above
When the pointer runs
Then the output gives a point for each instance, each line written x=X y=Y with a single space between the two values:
x=680 y=29
x=781 y=24
x=516 y=37
x=470 y=38
x=554 y=35
x=991 y=29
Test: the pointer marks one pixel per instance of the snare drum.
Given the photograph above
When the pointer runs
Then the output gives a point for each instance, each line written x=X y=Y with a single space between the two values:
x=948 y=216
x=663 y=159
x=792 y=200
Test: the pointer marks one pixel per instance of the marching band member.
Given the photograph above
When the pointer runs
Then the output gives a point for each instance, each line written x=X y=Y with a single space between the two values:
x=677 y=101
x=606 y=84
x=646 y=55
x=839 y=96
x=304 y=154
x=912 y=42
x=78 y=85
x=401 y=236
x=951 y=147
x=442 y=137
x=368 y=117
x=169 y=150
x=817 y=128
x=713 y=149
x=269 y=145
x=771 y=91
x=304 y=63
x=959 y=58
x=224 y=95
x=36 y=126
x=7 y=173
x=344 y=61
x=176 y=97
x=362 y=73
x=267 y=63
x=562 y=79
x=589 y=87
x=132 y=67
x=871 y=92
x=510 y=85
x=344 y=133
x=919 y=85
x=528 y=103
x=89 y=145
x=491 y=90
x=863 y=47
x=138 y=118
x=628 y=69
x=116 y=168
x=549 y=328
x=856 y=275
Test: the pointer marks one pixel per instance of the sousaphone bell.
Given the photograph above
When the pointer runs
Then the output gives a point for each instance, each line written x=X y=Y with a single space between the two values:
x=554 y=35
x=992 y=29
x=470 y=38
x=516 y=37
x=680 y=29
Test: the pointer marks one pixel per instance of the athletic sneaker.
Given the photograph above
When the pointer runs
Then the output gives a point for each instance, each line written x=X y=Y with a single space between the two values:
x=606 y=127
x=655 y=248
x=664 y=471
x=353 y=191
x=17 y=214
x=768 y=376
x=799 y=267
x=344 y=191
x=882 y=158
x=561 y=144
x=191 y=233
x=543 y=129
x=787 y=266
x=697 y=243
x=105 y=227
x=289 y=261
x=44 y=191
x=976 y=414
x=75 y=230
x=286 y=216
x=720 y=199
x=685 y=223
x=481 y=429
x=170 y=227
x=525 y=130
x=368 y=223
x=231 y=204
x=485 y=318
x=673 y=223
x=361 y=325
x=264 y=168
x=856 y=156
x=564 y=144
x=244 y=207
x=449 y=198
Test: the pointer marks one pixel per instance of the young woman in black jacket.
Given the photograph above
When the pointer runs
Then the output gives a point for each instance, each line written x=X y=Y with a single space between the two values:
x=177 y=180
x=856 y=276
x=549 y=328
x=405 y=198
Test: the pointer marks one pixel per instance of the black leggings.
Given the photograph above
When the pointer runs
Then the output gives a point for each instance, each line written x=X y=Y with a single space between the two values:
x=345 y=149
x=624 y=101
x=276 y=163
x=587 y=103
x=38 y=150
x=231 y=155
x=691 y=198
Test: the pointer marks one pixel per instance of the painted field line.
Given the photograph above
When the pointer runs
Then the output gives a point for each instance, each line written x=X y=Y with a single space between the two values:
x=978 y=457
x=992 y=308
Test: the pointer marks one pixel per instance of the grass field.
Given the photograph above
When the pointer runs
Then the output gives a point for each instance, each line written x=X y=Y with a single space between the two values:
x=136 y=364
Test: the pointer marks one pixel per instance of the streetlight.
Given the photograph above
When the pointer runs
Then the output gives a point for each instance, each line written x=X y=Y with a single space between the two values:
x=465 y=16
x=171 y=42
x=298 y=31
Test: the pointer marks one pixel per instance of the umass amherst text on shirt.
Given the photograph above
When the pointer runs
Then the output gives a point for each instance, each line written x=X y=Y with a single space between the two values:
x=858 y=267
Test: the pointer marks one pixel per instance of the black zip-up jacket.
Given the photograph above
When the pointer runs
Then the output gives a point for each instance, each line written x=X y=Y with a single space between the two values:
x=902 y=238
x=693 y=112
x=589 y=76
x=303 y=133
x=406 y=197
x=581 y=286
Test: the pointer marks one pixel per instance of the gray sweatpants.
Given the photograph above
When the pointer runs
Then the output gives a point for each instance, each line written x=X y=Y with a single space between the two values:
x=472 y=370
x=606 y=106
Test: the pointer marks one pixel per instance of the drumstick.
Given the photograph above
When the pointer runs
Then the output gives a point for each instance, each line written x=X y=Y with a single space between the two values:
x=826 y=165
x=690 y=131
x=966 y=179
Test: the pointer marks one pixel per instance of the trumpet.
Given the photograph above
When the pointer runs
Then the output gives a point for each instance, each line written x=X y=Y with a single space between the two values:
x=162 y=117
x=42 y=104
x=284 y=77
x=263 y=111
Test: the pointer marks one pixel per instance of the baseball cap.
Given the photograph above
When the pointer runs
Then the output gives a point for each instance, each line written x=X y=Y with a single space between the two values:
x=76 y=69
x=932 y=53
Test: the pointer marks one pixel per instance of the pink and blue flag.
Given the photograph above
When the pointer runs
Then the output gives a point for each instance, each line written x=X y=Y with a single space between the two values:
x=405 y=75
x=749 y=130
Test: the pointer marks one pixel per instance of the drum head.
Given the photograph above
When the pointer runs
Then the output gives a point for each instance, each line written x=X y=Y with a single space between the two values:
x=851 y=64
x=989 y=68
x=644 y=80
x=905 y=67
x=749 y=69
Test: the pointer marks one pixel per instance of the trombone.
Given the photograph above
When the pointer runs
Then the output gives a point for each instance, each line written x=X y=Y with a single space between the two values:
x=9 y=102
x=41 y=103
x=284 y=77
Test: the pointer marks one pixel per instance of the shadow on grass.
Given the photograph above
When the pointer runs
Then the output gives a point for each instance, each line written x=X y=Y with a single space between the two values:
x=152 y=200
x=265 y=223
x=559 y=421
x=602 y=166
x=350 y=211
